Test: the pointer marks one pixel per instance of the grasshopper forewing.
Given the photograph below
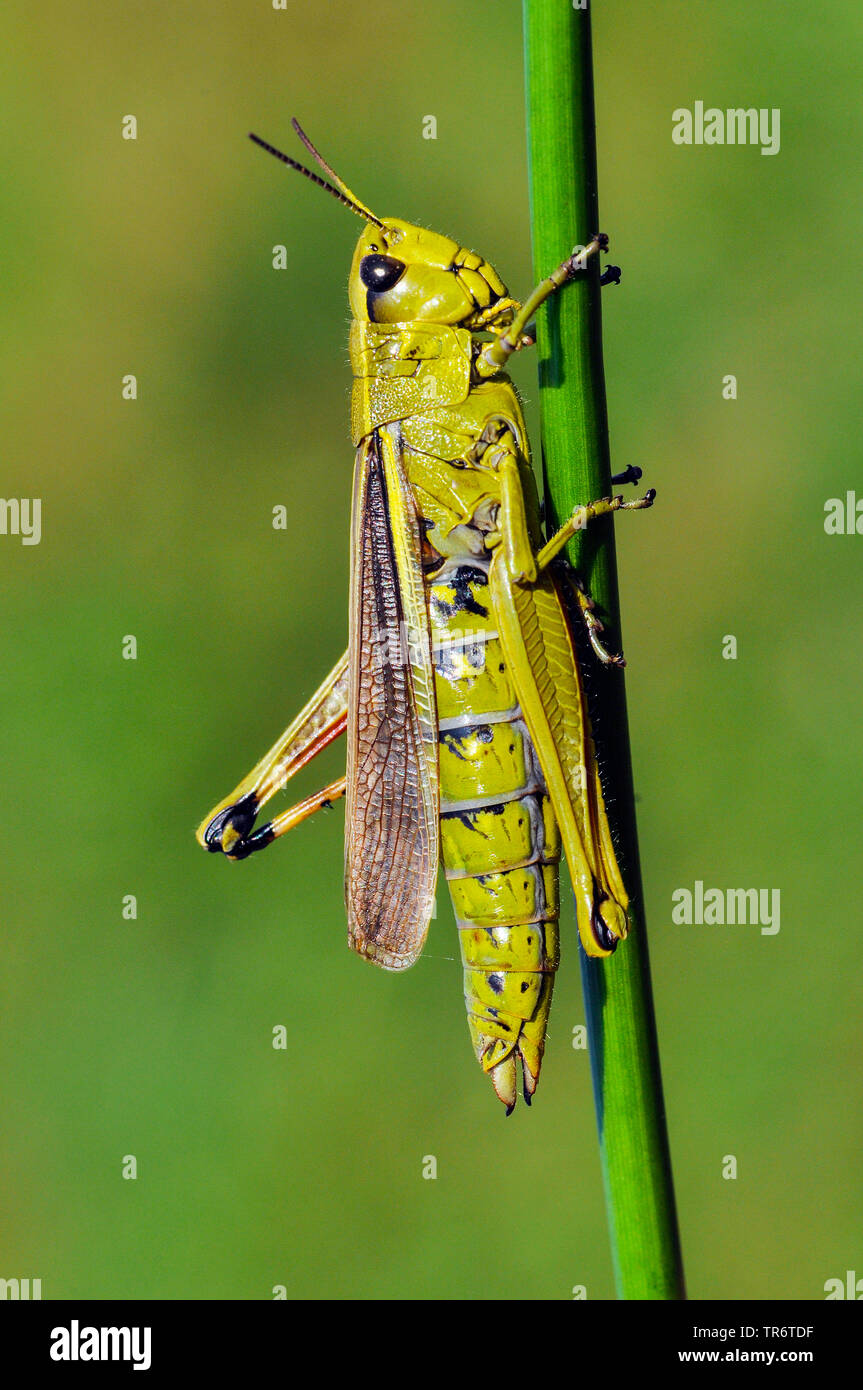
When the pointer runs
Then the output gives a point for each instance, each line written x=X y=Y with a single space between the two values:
x=391 y=841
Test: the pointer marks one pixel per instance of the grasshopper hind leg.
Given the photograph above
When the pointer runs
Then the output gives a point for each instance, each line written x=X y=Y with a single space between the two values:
x=229 y=827
x=231 y=830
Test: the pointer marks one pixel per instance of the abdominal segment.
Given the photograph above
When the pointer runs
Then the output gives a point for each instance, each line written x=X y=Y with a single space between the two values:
x=500 y=843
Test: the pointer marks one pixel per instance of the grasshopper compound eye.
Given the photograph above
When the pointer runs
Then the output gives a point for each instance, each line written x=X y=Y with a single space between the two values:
x=380 y=273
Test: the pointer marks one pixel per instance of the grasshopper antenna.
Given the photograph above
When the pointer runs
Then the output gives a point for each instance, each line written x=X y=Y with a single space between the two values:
x=342 y=192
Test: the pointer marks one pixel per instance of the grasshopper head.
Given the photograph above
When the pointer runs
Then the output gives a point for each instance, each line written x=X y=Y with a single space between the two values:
x=402 y=274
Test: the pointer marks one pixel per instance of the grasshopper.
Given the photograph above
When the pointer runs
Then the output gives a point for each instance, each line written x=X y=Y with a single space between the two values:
x=468 y=737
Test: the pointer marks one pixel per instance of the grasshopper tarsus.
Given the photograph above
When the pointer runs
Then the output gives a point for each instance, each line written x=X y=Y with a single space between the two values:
x=233 y=821
x=646 y=501
x=611 y=275
x=261 y=838
x=577 y=261
x=231 y=832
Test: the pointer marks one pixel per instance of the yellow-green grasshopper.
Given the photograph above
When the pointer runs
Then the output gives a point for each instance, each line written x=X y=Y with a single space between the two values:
x=468 y=738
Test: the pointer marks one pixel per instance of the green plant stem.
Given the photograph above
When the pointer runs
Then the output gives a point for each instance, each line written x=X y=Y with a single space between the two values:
x=620 y=1019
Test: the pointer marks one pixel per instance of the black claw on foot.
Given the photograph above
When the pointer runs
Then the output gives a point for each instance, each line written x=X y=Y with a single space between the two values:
x=240 y=817
x=509 y=1109
x=629 y=475
x=611 y=275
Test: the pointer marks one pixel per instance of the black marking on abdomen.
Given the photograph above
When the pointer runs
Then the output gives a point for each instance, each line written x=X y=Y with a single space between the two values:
x=496 y=809
x=453 y=739
x=464 y=601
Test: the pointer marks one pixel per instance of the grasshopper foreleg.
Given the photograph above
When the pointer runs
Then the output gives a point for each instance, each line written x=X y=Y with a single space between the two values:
x=494 y=356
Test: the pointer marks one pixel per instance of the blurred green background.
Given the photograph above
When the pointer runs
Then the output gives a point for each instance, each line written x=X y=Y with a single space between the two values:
x=152 y=1037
